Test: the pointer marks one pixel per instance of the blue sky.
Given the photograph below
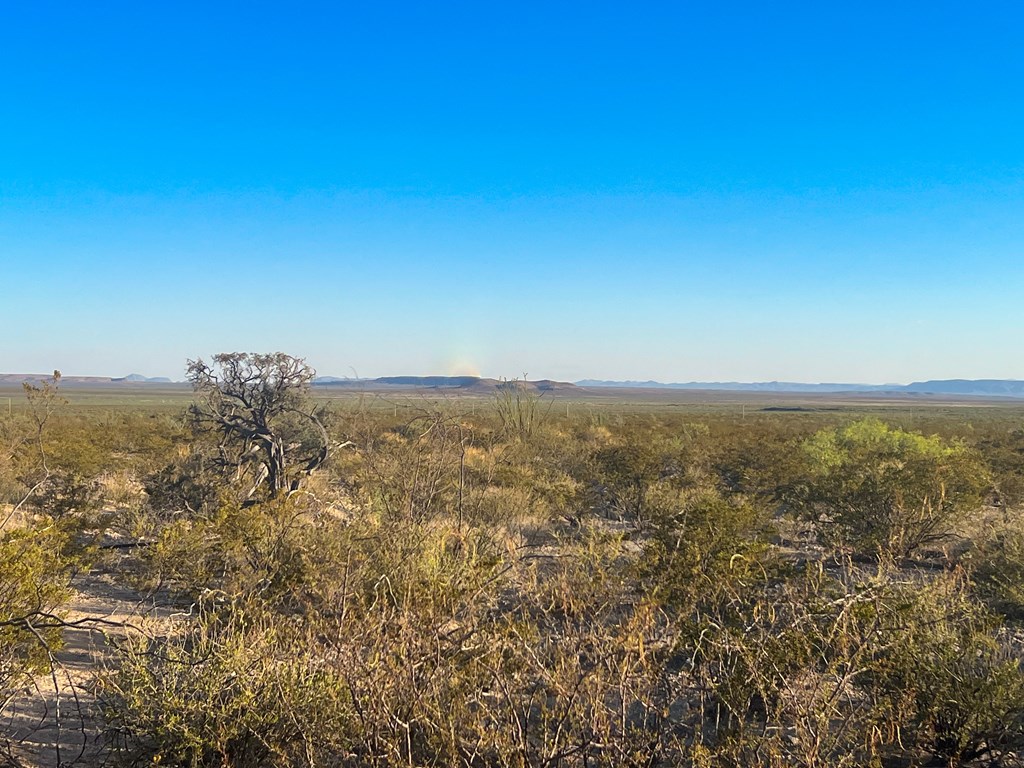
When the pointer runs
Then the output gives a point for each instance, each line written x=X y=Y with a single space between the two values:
x=677 y=191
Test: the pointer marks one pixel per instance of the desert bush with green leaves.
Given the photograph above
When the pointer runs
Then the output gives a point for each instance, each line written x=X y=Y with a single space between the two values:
x=878 y=489
x=34 y=576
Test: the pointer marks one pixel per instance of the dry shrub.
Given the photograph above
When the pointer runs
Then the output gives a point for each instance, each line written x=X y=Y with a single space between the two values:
x=414 y=471
x=122 y=489
x=858 y=669
x=397 y=643
x=997 y=564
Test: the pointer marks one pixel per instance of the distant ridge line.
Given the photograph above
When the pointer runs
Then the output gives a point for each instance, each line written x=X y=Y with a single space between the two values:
x=461 y=383
x=133 y=378
x=978 y=387
x=1007 y=388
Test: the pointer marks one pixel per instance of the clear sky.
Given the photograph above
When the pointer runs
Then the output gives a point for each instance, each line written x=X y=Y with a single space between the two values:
x=814 y=191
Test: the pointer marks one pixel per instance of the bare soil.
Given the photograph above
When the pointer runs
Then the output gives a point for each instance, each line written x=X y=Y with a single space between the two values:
x=55 y=720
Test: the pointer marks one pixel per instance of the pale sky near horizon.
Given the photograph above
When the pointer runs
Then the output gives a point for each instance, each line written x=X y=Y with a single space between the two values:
x=670 y=191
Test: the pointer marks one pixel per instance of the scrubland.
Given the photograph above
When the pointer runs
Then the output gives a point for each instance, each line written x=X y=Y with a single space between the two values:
x=515 y=581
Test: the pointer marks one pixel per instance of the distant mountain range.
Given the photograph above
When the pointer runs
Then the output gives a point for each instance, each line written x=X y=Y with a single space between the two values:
x=132 y=378
x=138 y=377
x=475 y=384
x=974 y=387
x=963 y=387
x=460 y=383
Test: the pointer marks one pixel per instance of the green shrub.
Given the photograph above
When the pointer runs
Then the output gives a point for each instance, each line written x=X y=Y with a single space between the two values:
x=34 y=590
x=878 y=489
x=708 y=548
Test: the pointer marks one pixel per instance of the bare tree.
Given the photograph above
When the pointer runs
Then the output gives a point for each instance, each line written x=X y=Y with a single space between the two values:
x=270 y=432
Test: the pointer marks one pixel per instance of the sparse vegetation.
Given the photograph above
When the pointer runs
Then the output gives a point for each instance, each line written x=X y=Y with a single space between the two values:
x=516 y=585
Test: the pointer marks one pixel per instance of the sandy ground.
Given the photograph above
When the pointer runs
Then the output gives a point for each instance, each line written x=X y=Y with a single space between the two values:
x=55 y=721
